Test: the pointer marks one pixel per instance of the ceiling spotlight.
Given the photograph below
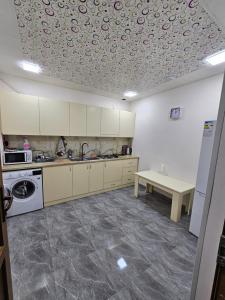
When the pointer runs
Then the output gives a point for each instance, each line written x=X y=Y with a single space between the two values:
x=30 y=67
x=216 y=59
x=130 y=94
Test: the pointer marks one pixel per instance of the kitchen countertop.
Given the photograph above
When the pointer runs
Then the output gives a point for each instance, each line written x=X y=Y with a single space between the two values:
x=59 y=162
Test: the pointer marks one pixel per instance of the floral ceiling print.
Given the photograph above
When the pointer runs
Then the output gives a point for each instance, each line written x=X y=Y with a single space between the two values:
x=117 y=45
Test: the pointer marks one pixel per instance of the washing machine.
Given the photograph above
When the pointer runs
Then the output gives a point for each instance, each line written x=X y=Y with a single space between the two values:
x=25 y=187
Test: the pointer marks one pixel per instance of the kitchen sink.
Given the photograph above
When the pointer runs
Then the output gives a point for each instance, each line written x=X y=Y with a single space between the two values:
x=92 y=158
x=75 y=159
x=85 y=158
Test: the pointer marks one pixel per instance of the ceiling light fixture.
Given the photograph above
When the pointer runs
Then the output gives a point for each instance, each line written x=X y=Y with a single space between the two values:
x=216 y=58
x=130 y=94
x=30 y=67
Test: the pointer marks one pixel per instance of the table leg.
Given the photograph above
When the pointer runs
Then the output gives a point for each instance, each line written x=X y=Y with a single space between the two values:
x=136 y=186
x=191 y=197
x=176 y=207
x=149 y=188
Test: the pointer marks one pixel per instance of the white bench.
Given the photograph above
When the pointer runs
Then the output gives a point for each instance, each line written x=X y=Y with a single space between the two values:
x=178 y=189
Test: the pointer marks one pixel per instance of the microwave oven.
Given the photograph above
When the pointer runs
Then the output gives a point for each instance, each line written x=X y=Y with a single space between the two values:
x=17 y=157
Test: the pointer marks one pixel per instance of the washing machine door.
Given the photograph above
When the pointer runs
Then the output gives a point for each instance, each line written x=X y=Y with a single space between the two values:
x=24 y=193
x=23 y=189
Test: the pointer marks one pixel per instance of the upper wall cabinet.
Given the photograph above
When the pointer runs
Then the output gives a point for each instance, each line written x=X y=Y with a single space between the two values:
x=78 y=119
x=93 y=121
x=19 y=114
x=54 y=117
x=110 y=122
x=127 y=123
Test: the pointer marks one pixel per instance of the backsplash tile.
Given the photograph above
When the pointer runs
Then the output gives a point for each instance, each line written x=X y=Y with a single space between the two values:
x=49 y=143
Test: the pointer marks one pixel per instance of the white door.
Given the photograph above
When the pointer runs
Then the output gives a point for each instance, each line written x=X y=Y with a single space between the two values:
x=54 y=117
x=197 y=211
x=127 y=121
x=78 y=119
x=81 y=179
x=19 y=114
x=213 y=215
x=93 y=121
x=110 y=122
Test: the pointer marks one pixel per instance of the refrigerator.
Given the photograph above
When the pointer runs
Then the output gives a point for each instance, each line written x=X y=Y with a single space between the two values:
x=202 y=177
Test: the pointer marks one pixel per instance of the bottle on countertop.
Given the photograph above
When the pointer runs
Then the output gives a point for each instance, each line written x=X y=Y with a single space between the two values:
x=26 y=145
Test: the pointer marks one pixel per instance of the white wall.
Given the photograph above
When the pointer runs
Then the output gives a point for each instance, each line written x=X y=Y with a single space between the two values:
x=31 y=87
x=176 y=144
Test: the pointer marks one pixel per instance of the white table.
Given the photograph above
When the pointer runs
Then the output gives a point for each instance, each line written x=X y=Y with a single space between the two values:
x=178 y=189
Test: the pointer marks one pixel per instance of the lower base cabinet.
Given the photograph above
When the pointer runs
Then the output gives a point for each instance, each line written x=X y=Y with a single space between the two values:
x=87 y=178
x=57 y=183
x=65 y=182
x=112 y=174
x=80 y=179
x=96 y=177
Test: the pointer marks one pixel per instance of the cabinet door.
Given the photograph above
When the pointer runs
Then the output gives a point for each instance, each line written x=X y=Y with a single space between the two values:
x=19 y=114
x=57 y=182
x=96 y=177
x=54 y=117
x=109 y=122
x=93 y=121
x=127 y=122
x=78 y=119
x=80 y=179
x=112 y=171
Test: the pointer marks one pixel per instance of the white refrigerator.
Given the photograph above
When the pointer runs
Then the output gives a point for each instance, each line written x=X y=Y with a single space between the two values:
x=202 y=177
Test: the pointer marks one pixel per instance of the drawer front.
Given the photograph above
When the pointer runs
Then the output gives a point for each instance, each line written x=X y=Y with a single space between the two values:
x=129 y=171
x=113 y=184
x=130 y=163
x=128 y=179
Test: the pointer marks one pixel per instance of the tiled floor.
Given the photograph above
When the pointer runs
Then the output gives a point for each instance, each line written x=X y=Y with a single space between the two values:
x=109 y=246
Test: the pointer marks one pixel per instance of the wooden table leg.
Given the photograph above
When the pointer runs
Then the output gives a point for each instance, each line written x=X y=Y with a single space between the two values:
x=176 y=207
x=136 y=186
x=191 y=197
x=149 y=188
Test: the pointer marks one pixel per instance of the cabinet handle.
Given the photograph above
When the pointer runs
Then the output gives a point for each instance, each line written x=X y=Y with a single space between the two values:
x=105 y=165
x=90 y=166
x=87 y=167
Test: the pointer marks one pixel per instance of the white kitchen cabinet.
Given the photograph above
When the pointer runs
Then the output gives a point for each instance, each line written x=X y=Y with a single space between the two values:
x=80 y=179
x=110 y=122
x=96 y=177
x=127 y=123
x=77 y=180
x=87 y=178
x=57 y=183
x=78 y=119
x=54 y=117
x=19 y=114
x=93 y=121
x=112 y=173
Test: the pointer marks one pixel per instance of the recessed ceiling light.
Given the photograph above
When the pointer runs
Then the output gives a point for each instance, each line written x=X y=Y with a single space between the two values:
x=216 y=59
x=30 y=67
x=130 y=94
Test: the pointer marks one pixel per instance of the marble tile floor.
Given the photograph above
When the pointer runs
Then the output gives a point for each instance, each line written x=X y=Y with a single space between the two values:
x=109 y=246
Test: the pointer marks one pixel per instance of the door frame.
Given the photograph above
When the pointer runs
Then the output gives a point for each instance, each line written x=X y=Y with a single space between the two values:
x=6 y=292
x=210 y=232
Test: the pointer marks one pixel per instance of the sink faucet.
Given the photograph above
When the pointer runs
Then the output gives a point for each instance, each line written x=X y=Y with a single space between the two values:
x=82 y=150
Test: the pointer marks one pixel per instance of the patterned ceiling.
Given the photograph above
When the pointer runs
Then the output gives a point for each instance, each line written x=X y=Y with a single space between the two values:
x=117 y=45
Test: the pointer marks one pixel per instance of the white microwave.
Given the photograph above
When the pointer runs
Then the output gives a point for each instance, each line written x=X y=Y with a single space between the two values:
x=17 y=157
